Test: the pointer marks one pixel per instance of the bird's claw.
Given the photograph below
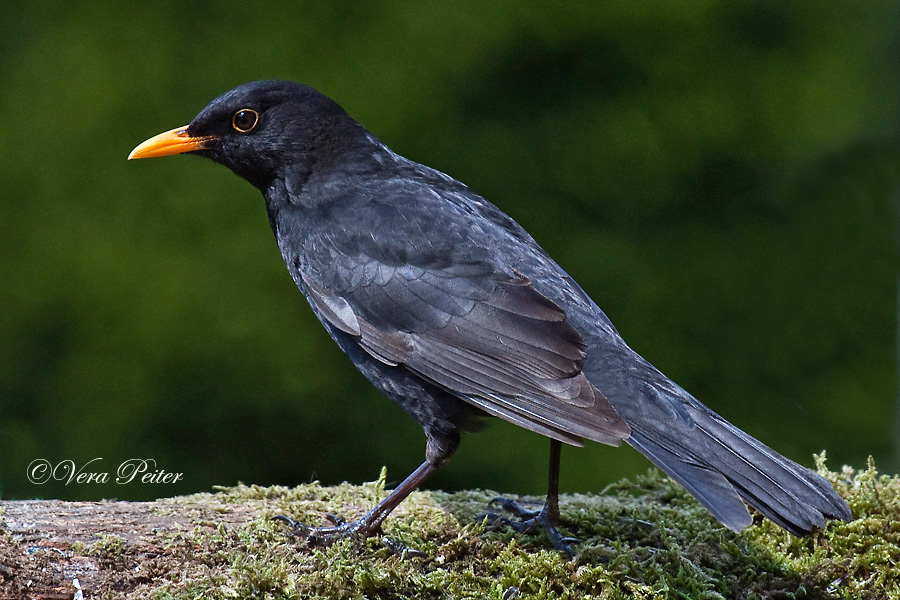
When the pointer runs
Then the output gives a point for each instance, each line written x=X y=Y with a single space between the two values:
x=335 y=520
x=341 y=528
x=528 y=521
x=298 y=529
x=513 y=507
x=325 y=536
x=401 y=550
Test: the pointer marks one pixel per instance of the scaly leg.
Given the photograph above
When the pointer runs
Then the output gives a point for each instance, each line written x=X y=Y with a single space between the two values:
x=370 y=523
x=548 y=517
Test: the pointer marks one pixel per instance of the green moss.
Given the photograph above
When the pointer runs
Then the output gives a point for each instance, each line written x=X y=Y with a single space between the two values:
x=639 y=539
x=108 y=546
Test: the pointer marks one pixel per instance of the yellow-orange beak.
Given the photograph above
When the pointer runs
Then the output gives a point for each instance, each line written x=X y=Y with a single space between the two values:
x=175 y=141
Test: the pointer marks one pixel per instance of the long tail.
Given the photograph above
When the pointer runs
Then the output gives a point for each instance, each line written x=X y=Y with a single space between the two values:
x=716 y=462
x=720 y=465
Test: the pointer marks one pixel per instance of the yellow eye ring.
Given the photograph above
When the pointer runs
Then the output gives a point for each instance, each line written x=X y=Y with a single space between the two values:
x=245 y=120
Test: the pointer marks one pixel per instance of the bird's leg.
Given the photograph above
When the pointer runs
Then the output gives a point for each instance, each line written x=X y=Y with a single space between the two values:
x=548 y=517
x=370 y=523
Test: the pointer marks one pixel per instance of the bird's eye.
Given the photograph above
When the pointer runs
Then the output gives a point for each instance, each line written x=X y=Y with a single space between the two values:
x=245 y=120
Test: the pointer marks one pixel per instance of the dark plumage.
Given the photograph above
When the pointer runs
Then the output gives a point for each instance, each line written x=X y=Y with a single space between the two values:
x=453 y=311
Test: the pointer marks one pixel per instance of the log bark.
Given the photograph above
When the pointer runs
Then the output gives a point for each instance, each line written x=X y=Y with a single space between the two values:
x=46 y=544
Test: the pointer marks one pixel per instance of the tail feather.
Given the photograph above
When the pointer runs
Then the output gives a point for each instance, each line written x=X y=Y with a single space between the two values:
x=709 y=487
x=791 y=495
x=716 y=462
x=723 y=468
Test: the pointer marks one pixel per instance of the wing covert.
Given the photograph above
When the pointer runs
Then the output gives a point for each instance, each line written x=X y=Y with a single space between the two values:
x=487 y=337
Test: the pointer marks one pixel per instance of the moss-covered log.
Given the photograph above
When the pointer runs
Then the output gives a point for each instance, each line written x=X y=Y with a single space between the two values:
x=639 y=539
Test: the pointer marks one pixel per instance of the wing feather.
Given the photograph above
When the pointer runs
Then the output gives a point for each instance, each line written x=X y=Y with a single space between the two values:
x=491 y=339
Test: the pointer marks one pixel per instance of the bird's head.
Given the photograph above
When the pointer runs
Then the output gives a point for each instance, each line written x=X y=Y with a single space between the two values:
x=262 y=131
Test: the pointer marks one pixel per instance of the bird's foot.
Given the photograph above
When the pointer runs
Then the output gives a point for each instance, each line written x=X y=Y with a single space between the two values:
x=530 y=521
x=326 y=536
x=340 y=529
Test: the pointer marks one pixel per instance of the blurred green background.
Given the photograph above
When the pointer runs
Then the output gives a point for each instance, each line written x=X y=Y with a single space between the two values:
x=722 y=177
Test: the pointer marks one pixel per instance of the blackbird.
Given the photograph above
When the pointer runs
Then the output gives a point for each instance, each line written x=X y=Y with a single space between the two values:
x=454 y=312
